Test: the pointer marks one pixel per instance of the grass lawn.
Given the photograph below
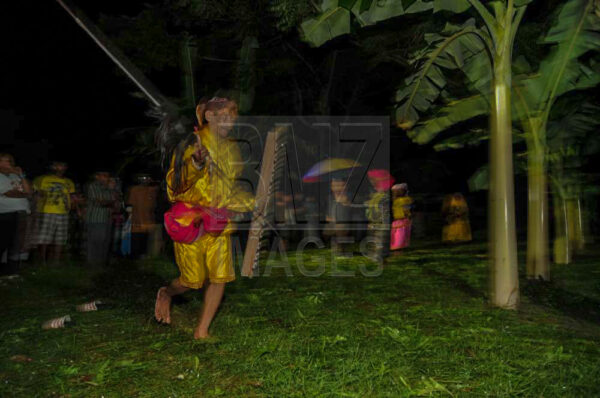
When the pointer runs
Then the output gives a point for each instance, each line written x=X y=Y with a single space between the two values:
x=420 y=328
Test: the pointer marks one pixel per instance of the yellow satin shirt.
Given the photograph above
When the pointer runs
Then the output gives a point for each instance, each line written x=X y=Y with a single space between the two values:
x=214 y=185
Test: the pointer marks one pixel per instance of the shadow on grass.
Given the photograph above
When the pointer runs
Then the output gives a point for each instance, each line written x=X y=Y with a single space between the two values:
x=133 y=284
x=567 y=302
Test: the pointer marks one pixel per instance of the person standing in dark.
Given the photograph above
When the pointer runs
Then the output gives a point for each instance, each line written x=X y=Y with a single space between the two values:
x=118 y=214
x=311 y=210
x=14 y=207
x=340 y=214
x=379 y=213
x=98 y=215
x=76 y=244
x=53 y=193
x=142 y=198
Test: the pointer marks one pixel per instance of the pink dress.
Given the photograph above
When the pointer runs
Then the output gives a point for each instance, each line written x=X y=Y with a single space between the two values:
x=400 y=234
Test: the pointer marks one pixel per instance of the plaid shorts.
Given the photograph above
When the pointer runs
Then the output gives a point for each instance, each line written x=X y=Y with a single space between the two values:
x=52 y=229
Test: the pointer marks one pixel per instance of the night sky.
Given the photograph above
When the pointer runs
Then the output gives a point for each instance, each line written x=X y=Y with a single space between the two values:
x=63 y=89
x=70 y=99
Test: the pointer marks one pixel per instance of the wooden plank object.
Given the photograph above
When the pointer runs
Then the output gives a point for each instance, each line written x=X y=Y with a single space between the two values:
x=264 y=193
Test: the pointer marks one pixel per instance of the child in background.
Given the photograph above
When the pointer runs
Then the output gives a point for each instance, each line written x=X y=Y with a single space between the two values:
x=378 y=213
x=401 y=226
x=456 y=215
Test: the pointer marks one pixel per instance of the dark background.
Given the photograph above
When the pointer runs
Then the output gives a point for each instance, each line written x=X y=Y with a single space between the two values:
x=63 y=98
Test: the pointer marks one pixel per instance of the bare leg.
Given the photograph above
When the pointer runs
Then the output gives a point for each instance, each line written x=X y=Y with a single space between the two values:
x=57 y=252
x=43 y=249
x=212 y=299
x=162 y=307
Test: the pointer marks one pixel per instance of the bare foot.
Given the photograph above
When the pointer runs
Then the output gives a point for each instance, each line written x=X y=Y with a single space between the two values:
x=201 y=334
x=162 y=307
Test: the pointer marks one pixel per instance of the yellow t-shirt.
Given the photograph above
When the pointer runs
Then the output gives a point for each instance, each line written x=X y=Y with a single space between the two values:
x=401 y=207
x=54 y=194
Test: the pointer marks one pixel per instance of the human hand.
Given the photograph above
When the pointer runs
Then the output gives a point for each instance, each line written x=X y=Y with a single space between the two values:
x=201 y=154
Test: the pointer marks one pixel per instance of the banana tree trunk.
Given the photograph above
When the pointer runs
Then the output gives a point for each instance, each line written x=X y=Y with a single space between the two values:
x=584 y=216
x=537 y=215
x=504 y=280
x=562 y=241
x=574 y=218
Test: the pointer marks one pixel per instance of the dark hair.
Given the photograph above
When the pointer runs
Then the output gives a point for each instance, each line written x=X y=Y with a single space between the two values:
x=6 y=155
x=178 y=169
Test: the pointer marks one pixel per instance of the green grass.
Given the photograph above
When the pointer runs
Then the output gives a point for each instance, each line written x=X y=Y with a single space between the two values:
x=421 y=328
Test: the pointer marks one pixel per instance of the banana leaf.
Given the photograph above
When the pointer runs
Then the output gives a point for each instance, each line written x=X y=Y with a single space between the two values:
x=575 y=32
x=447 y=116
x=458 y=47
x=336 y=16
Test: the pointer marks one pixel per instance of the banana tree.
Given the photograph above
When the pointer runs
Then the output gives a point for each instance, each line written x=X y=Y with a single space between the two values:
x=570 y=143
x=495 y=42
x=484 y=56
x=573 y=34
x=246 y=74
x=572 y=139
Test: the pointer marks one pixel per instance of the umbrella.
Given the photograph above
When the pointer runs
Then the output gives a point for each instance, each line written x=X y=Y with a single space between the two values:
x=326 y=166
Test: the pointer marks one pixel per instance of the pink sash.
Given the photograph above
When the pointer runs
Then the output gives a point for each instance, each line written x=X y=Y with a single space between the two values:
x=186 y=223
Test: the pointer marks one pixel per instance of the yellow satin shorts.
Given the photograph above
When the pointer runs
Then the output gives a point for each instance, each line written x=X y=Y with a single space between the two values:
x=208 y=257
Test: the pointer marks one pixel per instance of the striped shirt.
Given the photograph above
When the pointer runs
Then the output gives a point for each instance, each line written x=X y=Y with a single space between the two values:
x=95 y=211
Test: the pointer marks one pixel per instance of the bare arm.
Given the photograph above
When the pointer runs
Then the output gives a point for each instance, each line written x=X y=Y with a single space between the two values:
x=27 y=187
x=15 y=193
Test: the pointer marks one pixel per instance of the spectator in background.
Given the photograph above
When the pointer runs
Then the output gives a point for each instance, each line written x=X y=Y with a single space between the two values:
x=77 y=245
x=14 y=209
x=53 y=194
x=118 y=214
x=456 y=215
x=339 y=215
x=311 y=209
x=98 y=215
x=142 y=199
x=401 y=226
x=378 y=213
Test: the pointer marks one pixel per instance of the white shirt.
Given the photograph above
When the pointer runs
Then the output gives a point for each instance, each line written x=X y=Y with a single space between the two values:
x=9 y=205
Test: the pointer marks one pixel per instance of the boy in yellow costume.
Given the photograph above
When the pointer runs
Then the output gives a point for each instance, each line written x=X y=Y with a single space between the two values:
x=202 y=174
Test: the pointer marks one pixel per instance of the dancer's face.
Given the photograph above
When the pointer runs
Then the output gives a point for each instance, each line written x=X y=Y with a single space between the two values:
x=222 y=120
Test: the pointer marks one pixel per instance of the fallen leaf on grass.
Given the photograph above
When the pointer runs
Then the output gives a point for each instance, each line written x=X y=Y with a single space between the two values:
x=91 y=383
x=255 y=383
x=21 y=358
